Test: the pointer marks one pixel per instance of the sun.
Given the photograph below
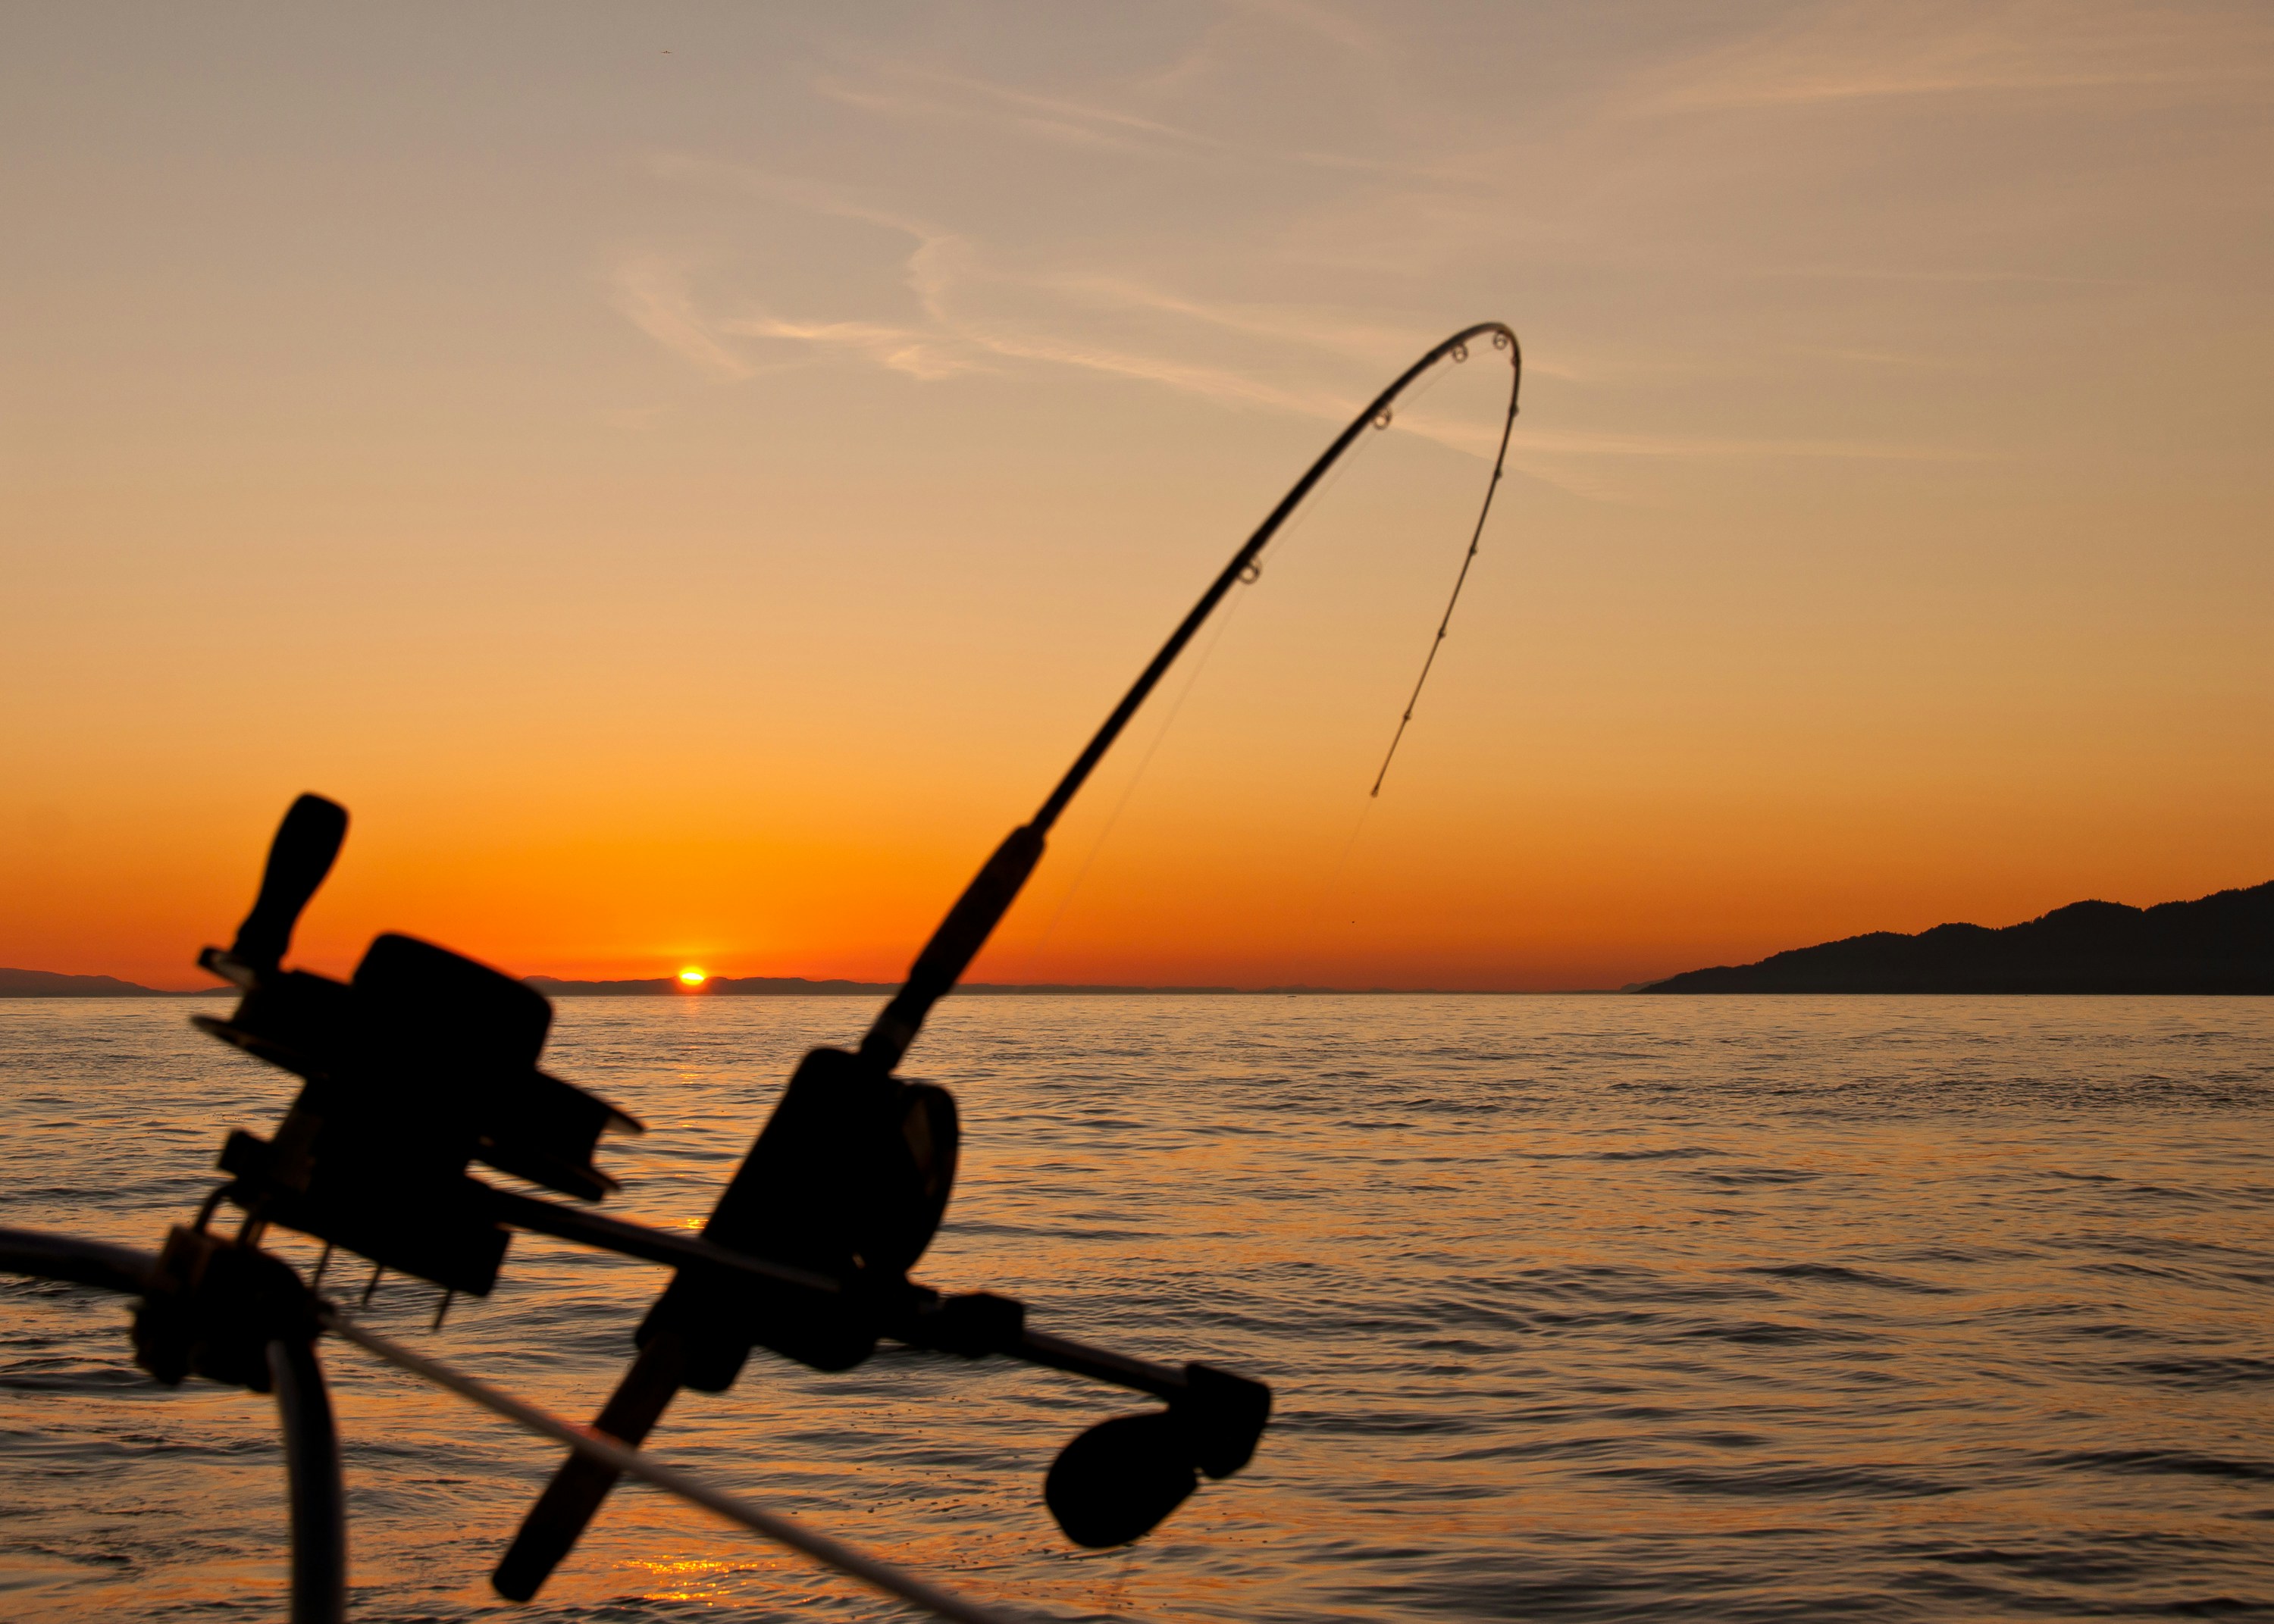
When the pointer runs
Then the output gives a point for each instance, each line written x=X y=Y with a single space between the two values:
x=692 y=978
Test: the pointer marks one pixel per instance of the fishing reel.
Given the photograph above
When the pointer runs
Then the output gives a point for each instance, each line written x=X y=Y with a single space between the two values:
x=422 y=1064
x=848 y=1179
x=846 y=1183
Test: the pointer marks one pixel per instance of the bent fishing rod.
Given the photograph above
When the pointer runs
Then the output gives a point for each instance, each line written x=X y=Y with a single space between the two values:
x=1115 y=1483
x=990 y=896
x=425 y=1062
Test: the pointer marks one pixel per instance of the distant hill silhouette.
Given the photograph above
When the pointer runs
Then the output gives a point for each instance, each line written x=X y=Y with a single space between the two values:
x=2220 y=944
x=48 y=984
x=657 y=985
x=798 y=986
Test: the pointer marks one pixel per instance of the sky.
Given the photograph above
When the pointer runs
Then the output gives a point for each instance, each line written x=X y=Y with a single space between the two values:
x=689 y=477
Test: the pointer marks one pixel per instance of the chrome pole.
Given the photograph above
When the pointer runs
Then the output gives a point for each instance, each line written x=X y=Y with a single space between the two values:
x=314 y=1493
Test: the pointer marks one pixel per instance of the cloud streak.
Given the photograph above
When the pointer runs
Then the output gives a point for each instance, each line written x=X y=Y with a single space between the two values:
x=652 y=296
x=1731 y=220
x=940 y=268
x=948 y=344
x=1850 y=54
x=906 y=92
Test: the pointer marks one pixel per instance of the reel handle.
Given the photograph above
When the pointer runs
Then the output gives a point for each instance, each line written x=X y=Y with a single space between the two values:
x=298 y=859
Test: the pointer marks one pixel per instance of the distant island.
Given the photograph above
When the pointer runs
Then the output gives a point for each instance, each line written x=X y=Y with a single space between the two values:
x=799 y=987
x=50 y=984
x=2220 y=944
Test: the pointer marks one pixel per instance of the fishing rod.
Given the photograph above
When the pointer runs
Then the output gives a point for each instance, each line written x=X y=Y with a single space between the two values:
x=845 y=1118
x=424 y=1063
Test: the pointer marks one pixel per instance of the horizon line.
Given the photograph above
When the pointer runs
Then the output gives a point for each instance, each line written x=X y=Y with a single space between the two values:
x=80 y=985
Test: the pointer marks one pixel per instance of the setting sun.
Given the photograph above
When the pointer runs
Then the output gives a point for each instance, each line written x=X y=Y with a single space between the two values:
x=692 y=978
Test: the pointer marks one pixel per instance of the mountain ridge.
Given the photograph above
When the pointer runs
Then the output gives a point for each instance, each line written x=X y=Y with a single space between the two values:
x=799 y=986
x=54 y=984
x=2220 y=944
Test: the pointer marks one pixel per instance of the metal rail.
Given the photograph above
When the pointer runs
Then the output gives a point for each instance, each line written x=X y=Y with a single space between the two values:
x=314 y=1496
x=314 y=1493
x=313 y=1490
x=871 y=1571
x=86 y=1263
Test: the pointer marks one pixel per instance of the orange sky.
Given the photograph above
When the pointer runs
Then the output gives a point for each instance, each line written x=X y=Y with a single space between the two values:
x=689 y=479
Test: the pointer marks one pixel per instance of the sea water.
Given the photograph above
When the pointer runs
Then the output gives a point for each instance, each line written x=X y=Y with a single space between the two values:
x=1589 y=1307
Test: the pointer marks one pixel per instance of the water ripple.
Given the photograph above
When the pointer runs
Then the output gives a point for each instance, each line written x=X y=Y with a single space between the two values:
x=1596 y=1309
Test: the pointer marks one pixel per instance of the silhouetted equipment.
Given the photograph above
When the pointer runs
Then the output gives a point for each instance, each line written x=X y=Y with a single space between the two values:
x=234 y=1314
x=1116 y=1481
x=777 y=1207
x=424 y=1063
x=211 y=1309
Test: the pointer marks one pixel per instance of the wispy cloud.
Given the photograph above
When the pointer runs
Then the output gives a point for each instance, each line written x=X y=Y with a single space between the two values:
x=913 y=92
x=653 y=295
x=1344 y=33
x=899 y=350
x=939 y=270
x=945 y=295
x=903 y=92
x=1312 y=328
x=1852 y=53
x=966 y=312
x=1691 y=447
x=1958 y=278
x=1898 y=359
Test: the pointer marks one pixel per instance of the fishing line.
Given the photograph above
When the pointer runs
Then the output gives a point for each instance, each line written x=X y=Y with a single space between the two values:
x=1492 y=488
x=1129 y=790
x=1342 y=863
x=1339 y=871
x=1278 y=549
x=1317 y=498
